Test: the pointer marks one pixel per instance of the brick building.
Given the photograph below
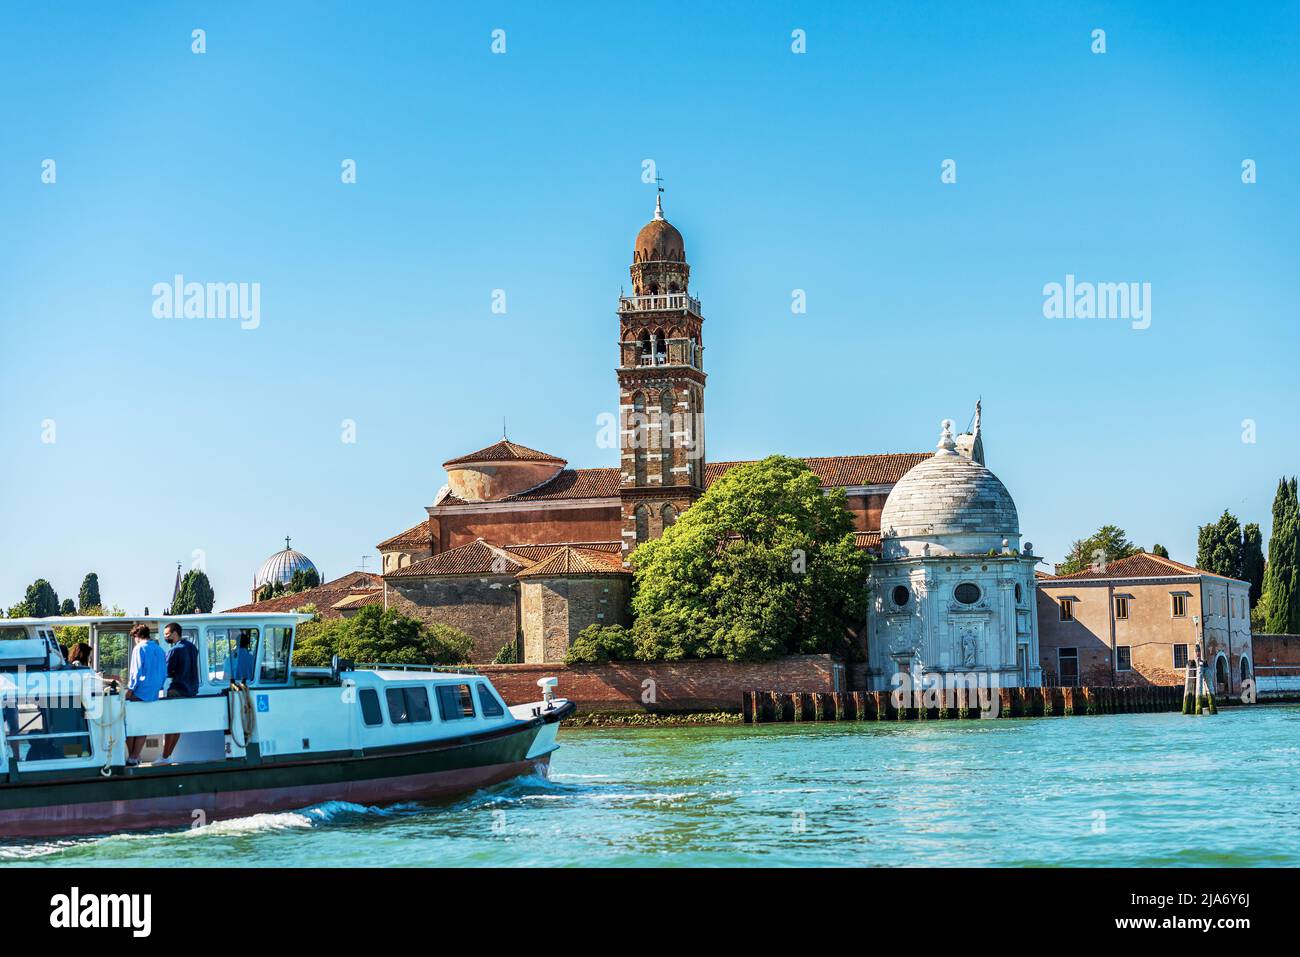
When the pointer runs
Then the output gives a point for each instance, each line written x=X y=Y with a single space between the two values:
x=1135 y=621
x=520 y=548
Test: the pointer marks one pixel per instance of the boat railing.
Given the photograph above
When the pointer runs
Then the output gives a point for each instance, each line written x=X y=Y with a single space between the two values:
x=447 y=669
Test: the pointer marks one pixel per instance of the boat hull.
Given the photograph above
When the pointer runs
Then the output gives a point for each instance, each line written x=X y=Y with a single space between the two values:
x=149 y=797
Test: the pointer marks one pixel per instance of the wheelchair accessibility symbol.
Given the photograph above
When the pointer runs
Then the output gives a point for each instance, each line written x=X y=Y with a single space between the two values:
x=263 y=704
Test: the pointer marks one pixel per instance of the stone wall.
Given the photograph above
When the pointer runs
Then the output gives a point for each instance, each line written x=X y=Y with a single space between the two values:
x=553 y=611
x=482 y=607
x=503 y=525
x=666 y=686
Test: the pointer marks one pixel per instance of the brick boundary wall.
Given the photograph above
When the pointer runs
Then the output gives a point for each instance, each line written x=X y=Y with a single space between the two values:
x=1278 y=654
x=678 y=686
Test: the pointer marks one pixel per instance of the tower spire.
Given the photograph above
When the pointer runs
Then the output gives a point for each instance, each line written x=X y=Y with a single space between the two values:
x=659 y=204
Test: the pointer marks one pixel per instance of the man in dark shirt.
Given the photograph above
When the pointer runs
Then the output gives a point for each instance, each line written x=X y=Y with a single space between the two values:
x=183 y=670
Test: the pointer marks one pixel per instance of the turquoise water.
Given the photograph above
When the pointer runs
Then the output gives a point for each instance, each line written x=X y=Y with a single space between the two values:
x=1125 y=790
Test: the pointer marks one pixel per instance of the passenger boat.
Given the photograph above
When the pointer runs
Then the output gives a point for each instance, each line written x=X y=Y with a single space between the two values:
x=286 y=738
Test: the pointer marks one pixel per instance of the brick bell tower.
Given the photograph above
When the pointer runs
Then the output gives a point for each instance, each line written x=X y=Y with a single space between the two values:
x=661 y=385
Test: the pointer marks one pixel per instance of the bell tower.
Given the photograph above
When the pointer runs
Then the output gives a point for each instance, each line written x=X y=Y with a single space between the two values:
x=661 y=385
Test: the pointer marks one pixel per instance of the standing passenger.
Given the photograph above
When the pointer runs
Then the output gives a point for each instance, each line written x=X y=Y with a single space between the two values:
x=148 y=670
x=183 y=670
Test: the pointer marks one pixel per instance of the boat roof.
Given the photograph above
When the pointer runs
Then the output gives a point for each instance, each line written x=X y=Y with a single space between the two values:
x=60 y=621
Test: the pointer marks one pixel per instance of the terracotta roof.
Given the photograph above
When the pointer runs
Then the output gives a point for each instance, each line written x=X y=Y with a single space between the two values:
x=1141 y=565
x=537 y=553
x=867 y=539
x=417 y=536
x=476 y=558
x=504 y=451
x=568 y=483
x=326 y=596
x=579 y=562
x=838 y=471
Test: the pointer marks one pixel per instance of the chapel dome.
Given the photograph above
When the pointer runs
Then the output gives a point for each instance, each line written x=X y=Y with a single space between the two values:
x=659 y=240
x=948 y=504
x=279 y=568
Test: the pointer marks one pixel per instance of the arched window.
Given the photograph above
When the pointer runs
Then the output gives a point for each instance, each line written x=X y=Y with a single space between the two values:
x=660 y=351
x=638 y=429
x=1245 y=668
x=1221 y=674
x=642 y=523
x=670 y=516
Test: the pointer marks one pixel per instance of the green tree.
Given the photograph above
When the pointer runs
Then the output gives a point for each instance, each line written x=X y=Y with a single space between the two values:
x=376 y=636
x=40 y=601
x=508 y=655
x=68 y=608
x=195 y=595
x=601 y=643
x=303 y=579
x=1160 y=550
x=1109 y=541
x=1281 y=598
x=1218 y=546
x=88 y=596
x=1252 y=560
x=763 y=564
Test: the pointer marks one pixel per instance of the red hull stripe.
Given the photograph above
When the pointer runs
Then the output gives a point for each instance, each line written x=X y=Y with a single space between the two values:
x=192 y=810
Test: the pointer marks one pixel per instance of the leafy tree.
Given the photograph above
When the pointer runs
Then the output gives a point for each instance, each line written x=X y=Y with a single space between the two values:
x=68 y=607
x=303 y=579
x=266 y=592
x=763 y=564
x=1218 y=546
x=1159 y=550
x=376 y=636
x=88 y=596
x=195 y=595
x=1281 y=598
x=1252 y=561
x=1110 y=541
x=40 y=601
x=508 y=655
x=601 y=643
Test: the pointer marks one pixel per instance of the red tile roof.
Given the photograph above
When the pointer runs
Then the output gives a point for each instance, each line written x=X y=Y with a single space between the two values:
x=1141 y=565
x=476 y=558
x=577 y=562
x=325 y=596
x=568 y=483
x=504 y=451
x=839 y=471
x=867 y=539
x=417 y=536
x=537 y=553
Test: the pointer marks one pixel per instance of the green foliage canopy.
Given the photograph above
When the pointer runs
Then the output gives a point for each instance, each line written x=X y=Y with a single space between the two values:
x=195 y=595
x=763 y=564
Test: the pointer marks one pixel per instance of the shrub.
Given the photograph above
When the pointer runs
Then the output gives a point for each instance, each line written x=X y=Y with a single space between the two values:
x=601 y=643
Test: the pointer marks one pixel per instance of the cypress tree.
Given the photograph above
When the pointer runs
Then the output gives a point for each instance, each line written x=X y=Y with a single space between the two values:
x=88 y=597
x=1281 y=602
x=1218 y=546
x=195 y=594
x=1252 y=560
x=1159 y=550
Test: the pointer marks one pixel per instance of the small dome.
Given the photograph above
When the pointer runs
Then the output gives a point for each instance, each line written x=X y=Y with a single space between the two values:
x=948 y=504
x=281 y=566
x=659 y=240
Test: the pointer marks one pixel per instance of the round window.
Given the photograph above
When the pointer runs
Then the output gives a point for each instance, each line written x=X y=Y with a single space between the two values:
x=1018 y=592
x=966 y=593
x=901 y=595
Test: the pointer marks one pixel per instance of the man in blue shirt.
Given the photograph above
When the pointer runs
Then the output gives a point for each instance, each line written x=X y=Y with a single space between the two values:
x=148 y=670
x=183 y=671
x=241 y=660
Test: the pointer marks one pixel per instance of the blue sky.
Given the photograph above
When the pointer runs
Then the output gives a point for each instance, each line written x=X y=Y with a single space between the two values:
x=522 y=172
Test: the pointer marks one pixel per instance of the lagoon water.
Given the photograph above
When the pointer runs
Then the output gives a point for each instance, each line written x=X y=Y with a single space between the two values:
x=1121 y=790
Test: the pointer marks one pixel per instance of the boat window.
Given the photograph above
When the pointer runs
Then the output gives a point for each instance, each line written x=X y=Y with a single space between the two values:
x=231 y=653
x=408 y=705
x=454 y=702
x=37 y=733
x=275 y=661
x=111 y=650
x=13 y=634
x=489 y=703
x=370 y=712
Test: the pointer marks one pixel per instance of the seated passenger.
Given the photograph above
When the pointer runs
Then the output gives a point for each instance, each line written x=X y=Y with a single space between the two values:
x=240 y=664
x=79 y=655
x=148 y=670
x=183 y=670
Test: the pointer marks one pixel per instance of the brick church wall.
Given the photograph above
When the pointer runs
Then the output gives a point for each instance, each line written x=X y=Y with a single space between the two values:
x=680 y=686
x=554 y=611
x=482 y=607
x=599 y=523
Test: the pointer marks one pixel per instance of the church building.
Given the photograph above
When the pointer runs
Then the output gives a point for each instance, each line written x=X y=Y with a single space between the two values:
x=522 y=552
